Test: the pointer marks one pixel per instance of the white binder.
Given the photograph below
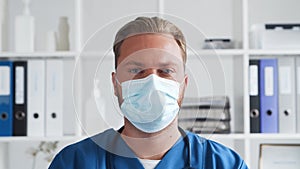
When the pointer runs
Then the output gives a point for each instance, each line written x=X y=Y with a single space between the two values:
x=298 y=92
x=54 y=97
x=36 y=98
x=69 y=121
x=287 y=97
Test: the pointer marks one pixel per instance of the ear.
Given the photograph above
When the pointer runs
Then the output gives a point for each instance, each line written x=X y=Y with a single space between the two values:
x=182 y=89
x=185 y=83
x=186 y=80
x=114 y=82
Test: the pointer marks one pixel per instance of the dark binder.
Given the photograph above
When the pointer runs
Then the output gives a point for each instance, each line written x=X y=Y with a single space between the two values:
x=20 y=98
x=254 y=94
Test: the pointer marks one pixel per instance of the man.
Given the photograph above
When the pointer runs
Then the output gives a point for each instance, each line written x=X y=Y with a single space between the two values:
x=149 y=82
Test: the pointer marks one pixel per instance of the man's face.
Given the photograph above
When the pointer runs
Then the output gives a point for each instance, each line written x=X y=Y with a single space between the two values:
x=143 y=55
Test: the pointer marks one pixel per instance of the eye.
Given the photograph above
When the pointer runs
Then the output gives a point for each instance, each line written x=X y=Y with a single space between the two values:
x=135 y=70
x=166 y=71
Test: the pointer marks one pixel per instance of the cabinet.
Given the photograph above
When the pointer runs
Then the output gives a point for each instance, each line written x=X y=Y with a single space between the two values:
x=94 y=24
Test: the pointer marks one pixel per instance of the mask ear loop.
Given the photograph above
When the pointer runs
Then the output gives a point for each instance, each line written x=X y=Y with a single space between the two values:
x=116 y=77
x=118 y=82
x=182 y=82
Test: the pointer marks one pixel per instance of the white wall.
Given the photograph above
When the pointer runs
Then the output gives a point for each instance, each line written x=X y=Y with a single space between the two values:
x=213 y=18
x=274 y=11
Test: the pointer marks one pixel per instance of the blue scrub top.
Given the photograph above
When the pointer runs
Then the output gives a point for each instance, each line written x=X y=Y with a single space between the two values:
x=95 y=153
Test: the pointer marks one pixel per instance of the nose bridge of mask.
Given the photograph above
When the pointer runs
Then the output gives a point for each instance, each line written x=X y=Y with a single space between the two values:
x=167 y=87
x=149 y=84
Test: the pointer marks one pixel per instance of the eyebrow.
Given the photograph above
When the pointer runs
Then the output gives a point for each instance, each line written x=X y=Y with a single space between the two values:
x=160 y=64
x=168 y=64
x=134 y=63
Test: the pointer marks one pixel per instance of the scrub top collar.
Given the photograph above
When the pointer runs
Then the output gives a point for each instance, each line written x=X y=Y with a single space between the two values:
x=117 y=150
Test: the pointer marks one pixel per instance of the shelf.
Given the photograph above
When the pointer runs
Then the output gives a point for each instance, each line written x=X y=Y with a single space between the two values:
x=273 y=52
x=219 y=52
x=236 y=52
x=21 y=139
x=67 y=54
x=207 y=136
x=241 y=136
x=280 y=136
x=97 y=55
x=107 y=55
x=224 y=136
x=206 y=52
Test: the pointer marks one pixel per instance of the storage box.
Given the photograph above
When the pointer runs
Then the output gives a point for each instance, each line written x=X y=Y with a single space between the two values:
x=275 y=36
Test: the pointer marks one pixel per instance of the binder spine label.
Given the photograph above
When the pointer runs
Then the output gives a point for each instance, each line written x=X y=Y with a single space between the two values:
x=4 y=80
x=253 y=80
x=269 y=81
x=285 y=86
x=19 y=90
x=298 y=81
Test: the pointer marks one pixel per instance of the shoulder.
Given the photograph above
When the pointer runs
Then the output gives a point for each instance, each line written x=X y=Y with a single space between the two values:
x=215 y=154
x=81 y=148
x=89 y=146
x=81 y=154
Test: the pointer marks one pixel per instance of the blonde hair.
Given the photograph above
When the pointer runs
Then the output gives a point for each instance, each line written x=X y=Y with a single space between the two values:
x=144 y=25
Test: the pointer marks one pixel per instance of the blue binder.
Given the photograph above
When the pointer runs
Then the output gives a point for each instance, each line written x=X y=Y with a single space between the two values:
x=269 y=96
x=6 y=98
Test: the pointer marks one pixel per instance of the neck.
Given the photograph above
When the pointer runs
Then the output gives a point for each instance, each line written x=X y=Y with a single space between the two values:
x=151 y=146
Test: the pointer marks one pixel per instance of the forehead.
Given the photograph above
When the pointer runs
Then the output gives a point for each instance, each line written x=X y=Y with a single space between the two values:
x=138 y=43
x=151 y=58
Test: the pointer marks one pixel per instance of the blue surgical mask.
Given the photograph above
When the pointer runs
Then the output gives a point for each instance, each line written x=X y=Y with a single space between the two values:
x=150 y=104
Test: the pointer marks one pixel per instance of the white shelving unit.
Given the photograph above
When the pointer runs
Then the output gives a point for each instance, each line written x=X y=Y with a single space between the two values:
x=46 y=15
x=213 y=18
x=269 y=12
x=45 y=55
x=28 y=139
